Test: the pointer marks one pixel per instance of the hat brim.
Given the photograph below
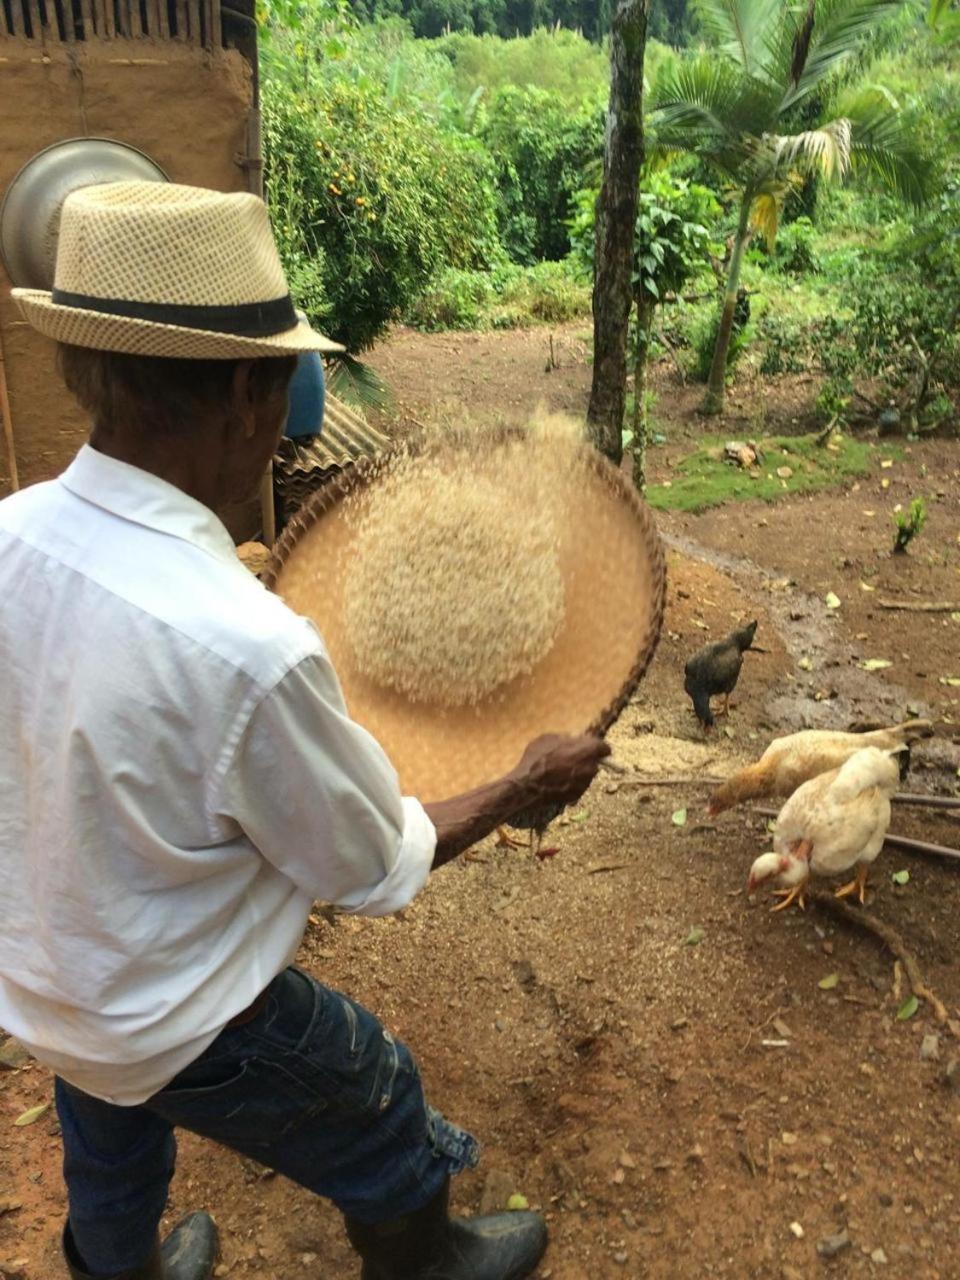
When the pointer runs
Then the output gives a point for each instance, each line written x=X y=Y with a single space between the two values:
x=129 y=336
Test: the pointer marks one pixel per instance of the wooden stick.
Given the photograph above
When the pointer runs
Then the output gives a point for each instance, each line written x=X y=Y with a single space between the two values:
x=16 y=18
x=86 y=11
x=8 y=424
x=929 y=802
x=678 y=781
x=892 y=939
x=921 y=606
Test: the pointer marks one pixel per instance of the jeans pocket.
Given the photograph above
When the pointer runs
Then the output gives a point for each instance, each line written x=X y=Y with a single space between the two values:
x=249 y=1106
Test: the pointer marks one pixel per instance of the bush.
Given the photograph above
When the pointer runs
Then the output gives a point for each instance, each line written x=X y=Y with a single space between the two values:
x=370 y=200
x=508 y=297
x=541 y=148
x=794 y=253
x=785 y=345
x=703 y=337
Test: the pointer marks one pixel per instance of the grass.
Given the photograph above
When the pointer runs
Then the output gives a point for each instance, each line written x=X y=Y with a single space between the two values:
x=704 y=480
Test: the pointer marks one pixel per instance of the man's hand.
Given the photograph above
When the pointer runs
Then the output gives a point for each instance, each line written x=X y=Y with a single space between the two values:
x=553 y=771
x=557 y=769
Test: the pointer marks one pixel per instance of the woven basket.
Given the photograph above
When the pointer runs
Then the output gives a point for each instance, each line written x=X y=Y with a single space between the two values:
x=615 y=585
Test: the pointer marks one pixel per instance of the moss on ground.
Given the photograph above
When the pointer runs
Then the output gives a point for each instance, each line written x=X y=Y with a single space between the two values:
x=704 y=480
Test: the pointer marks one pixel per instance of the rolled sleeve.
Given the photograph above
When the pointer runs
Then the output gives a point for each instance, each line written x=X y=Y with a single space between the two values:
x=317 y=796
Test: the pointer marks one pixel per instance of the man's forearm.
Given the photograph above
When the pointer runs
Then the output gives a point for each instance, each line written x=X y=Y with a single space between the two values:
x=465 y=819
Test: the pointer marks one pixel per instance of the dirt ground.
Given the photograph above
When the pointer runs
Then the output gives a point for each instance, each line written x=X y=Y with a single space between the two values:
x=678 y=1108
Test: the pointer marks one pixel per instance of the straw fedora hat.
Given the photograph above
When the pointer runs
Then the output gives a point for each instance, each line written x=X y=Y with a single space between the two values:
x=157 y=269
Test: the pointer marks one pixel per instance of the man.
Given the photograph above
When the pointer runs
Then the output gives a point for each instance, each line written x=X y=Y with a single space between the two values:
x=180 y=780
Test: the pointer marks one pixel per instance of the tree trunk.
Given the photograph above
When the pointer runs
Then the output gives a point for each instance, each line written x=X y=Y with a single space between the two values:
x=645 y=309
x=616 y=220
x=716 y=389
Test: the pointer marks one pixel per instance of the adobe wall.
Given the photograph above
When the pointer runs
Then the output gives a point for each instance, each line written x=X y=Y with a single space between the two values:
x=185 y=107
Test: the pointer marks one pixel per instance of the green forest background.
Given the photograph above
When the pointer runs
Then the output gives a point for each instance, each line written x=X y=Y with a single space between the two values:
x=437 y=162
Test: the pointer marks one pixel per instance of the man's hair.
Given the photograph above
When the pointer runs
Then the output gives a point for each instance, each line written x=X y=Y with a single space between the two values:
x=159 y=394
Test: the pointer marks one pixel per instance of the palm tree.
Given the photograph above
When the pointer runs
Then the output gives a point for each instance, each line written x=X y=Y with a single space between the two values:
x=734 y=105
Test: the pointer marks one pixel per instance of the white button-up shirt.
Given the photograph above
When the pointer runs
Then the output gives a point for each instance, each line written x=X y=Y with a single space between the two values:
x=179 y=781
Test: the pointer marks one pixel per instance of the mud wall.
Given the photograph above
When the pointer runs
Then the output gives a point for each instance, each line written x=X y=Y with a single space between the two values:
x=185 y=107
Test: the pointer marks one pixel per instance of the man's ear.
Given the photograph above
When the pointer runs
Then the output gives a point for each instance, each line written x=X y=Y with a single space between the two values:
x=244 y=391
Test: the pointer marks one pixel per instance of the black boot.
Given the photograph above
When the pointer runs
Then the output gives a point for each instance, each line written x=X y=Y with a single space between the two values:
x=189 y=1253
x=430 y=1245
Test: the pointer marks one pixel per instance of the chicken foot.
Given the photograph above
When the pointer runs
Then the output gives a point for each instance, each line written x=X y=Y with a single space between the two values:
x=506 y=841
x=797 y=894
x=857 y=885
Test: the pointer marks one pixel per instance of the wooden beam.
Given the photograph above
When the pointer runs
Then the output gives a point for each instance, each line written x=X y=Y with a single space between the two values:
x=8 y=424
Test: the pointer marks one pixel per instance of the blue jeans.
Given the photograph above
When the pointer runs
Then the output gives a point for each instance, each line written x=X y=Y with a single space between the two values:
x=313 y=1087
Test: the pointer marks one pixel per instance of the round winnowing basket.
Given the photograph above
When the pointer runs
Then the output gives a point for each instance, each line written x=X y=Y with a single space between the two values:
x=614 y=578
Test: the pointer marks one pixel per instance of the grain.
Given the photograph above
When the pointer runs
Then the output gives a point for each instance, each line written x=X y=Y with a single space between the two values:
x=454 y=585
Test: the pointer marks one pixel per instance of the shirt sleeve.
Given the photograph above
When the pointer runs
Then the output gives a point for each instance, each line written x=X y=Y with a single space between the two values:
x=317 y=796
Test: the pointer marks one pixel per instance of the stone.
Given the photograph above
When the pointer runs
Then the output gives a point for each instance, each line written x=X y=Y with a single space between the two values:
x=930 y=1048
x=830 y=1246
x=879 y=1257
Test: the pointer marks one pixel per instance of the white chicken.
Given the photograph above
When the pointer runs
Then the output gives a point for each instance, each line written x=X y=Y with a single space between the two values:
x=831 y=824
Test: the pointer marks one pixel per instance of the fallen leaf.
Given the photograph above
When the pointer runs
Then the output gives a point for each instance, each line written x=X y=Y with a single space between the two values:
x=908 y=1009
x=831 y=600
x=788 y=1139
x=901 y=877
x=32 y=1115
x=627 y=1160
x=581 y=816
x=829 y=982
x=953 y=681
x=865 y=586
x=518 y=1202
x=805 y=664
x=679 y=817
x=875 y=664
x=886 y=463
x=884 y=484
x=550 y=852
x=694 y=937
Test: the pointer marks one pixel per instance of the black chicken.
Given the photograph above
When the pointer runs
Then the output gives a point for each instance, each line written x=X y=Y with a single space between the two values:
x=715 y=669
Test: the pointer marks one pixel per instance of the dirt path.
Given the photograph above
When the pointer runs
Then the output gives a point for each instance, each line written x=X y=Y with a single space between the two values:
x=677 y=1108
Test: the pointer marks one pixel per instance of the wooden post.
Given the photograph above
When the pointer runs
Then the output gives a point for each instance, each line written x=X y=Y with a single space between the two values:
x=8 y=424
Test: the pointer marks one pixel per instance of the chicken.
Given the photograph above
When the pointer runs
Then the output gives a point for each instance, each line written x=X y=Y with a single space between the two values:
x=793 y=760
x=831 y=824
x=715 y=669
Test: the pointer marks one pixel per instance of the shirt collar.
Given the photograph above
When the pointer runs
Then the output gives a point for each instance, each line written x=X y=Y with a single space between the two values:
x=143 y=498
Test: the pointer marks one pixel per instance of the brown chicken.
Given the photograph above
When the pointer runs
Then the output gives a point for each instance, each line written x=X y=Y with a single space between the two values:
x=788 y=762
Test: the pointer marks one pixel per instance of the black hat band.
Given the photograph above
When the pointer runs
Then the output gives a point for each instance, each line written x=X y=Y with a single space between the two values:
x=243 y=320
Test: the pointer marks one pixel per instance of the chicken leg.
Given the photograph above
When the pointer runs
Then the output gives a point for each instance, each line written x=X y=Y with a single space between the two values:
x=857 y=885
x=507 y=841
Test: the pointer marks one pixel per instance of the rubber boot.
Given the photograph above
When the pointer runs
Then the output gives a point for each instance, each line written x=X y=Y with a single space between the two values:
x=430 y=1245
x=189 y=1252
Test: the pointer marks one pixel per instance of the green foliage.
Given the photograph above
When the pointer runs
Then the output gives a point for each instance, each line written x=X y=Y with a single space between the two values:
x=509 y=296
x=370 y=200
x=561 y=62
x=785 y=345
x=909 y=525
x=833 y=400
x=795 y=253
x=672 y=240
x=704 y=480
x=704 y=330
x=541 y=148
x=518 y=17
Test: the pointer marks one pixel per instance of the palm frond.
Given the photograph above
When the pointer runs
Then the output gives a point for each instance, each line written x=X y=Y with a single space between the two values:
x=840 y=27
x=825 y=150
x=765 y=216
x=710 y=106
x=882 y=144
x=801 y=43
x=739 y=28
x=357 y=384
